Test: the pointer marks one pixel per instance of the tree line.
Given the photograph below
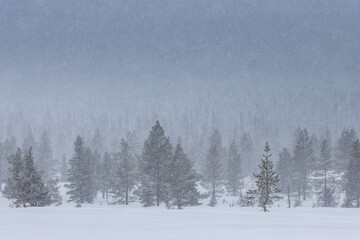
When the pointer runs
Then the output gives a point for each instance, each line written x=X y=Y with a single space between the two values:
x=164 y=174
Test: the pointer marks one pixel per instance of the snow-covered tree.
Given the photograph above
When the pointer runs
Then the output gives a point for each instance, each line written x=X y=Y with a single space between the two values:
x=352 y=178
x=303 y=155
x=213 y=167
x=326 y=196
x=81 y=175
x=154 y=168
x=182 y=180
x=45 y=161
x=266 y=182
x=106 y=174
x=285 y=170
x=13 y=189
x=233 y=170
x=125 y=176
x=344 y=148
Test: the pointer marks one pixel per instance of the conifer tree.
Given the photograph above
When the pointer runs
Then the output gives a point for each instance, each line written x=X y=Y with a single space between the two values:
x=213 y=167
x=326 y=196
x=233 y=170
x=344 y=148
x=182 y=180
x=285 y=168
x=33 y=188
x=125 y=176
x=266 y=182
x=303 y=162
x=13 y=190
x=45 y=161
x=81 y=175
x=106 y=175
x=352 y=178
x=154 y=168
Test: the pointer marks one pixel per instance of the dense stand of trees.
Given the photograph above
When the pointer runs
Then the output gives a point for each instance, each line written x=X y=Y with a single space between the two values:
x=158 y=173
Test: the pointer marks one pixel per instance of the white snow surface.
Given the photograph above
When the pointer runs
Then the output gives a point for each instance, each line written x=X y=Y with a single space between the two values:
x=100 y=221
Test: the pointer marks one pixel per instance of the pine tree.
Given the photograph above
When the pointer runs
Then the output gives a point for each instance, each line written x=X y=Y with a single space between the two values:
x=233 y=173
x=54 y=197
x=81 y=175
x=326 y=196
x=125 y=177
x=13 y=189
x=154 y=167
x=182 y=180
x=344 y=148
x=266 y=182
x=303 y=162
x=9 y=147
x=33 y=188
x=213 y=167
x=352 y=178
x=45 y=161
x=285 y=167
x=25 y=186
x=106 y=175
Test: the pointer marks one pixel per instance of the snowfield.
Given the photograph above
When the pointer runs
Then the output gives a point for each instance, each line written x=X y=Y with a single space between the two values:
x=102 y=221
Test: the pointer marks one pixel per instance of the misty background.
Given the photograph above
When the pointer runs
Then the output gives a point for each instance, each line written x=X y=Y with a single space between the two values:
x=259 y=67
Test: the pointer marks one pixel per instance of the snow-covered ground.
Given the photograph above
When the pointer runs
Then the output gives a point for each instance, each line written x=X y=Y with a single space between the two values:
x=101 y=221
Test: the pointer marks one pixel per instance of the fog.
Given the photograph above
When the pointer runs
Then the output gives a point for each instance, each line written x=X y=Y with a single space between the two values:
x=260 y=67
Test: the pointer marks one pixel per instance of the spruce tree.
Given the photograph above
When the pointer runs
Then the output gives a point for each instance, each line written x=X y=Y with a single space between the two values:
x=125 y=176
x=182 y=180
x=344 y=148
x=81 y=175
x=45 y=161
x=326 y=196
x=352 y=178
x=154 y=168
x=213 y=167
x=266 y=182
x=303 y=162
x=33 y=188
x=106 y=175
x=14 y=184
x=233 y=170
x=285 y=168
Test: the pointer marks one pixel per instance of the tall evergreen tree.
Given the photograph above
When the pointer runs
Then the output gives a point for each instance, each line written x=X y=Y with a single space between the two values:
x=266 y=182
x=285 y=167
x=154 y=167
x=33 y=188
x=344 y=148
x=182 y=180
x=81 y=175
x=125 y=178
x=213 y=167
x=233 y=170
x=326 y=196
x=106 y=175
x=14 y=183
x=352 y=178
x=45 y=161
x=303 y=162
